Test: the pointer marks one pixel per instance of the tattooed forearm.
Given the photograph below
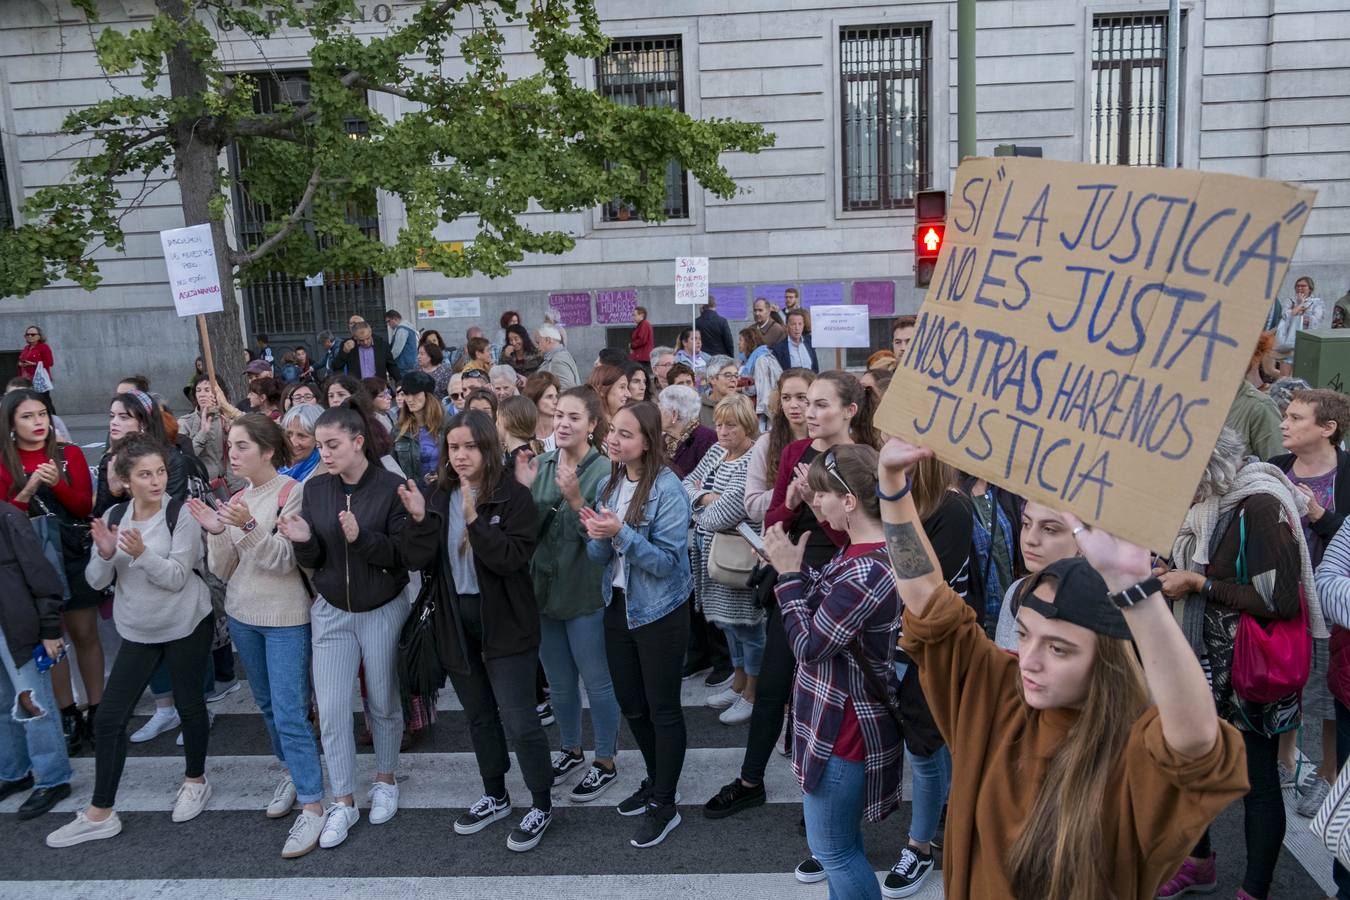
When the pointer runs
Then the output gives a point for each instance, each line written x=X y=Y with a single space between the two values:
x=909 y=556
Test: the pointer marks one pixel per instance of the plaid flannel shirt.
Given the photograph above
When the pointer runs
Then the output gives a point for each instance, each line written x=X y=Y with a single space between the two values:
x=823 y=613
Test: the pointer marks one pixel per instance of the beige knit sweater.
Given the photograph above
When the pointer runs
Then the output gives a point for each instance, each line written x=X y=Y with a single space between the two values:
x=263 y=584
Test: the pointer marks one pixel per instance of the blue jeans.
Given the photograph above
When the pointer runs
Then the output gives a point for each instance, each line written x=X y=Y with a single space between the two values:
x=834 y=812
x=932 y=781
x=573 y=647
x=746 y=645
x=30 y=742
x=161 y=686
x=276 y=661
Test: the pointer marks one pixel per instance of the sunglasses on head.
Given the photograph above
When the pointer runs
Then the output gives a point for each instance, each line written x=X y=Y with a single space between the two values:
x=832 y=466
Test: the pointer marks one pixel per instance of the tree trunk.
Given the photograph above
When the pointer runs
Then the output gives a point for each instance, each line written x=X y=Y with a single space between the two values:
x=195 y=165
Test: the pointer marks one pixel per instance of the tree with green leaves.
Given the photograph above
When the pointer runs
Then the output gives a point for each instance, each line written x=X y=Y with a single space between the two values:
x=476 y=146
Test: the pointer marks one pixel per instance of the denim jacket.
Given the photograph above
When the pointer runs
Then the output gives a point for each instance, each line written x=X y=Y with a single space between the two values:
x=656 y=552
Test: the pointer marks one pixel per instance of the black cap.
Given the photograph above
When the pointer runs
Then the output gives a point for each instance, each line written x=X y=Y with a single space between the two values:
x=1081 y=597
x=418 y=383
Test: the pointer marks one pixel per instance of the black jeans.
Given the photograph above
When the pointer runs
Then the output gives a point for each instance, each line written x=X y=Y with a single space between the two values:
x=647 y=665
x=1338 y=872
x=186 y=659
x=1262 y=814
x=772 y=692
x=498 y=699
x=706 y=641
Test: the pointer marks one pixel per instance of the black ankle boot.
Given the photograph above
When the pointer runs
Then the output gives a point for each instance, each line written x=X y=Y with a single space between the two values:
x=73 y=726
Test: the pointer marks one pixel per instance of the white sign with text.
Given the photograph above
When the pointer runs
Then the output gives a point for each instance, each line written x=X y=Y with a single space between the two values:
x=691 y=280
x=194 y=279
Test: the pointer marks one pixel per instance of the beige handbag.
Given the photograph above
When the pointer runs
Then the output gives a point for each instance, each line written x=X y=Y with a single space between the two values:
x=731 y=560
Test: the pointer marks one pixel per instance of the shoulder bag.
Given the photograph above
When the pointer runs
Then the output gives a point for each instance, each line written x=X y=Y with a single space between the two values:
x=1270 y=659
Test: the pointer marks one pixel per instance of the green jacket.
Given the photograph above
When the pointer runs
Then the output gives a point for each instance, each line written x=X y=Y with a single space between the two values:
x=566 y=581
x=1256 y=419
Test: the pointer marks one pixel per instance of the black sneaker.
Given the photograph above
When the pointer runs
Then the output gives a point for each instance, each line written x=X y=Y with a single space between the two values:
x=42 y=800
x=721 y=676
x=16 y=787
x=809 y=871
x=564 y=762
x=658 y=822
x=545 y=714
x=593 y=785
x=907 y=876
x=733 y=798
x=526 y=835
x=696 y=666
x=635 y=804
x=482 y=814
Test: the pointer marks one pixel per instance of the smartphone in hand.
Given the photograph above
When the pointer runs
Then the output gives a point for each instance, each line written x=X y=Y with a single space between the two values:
x=755 y=541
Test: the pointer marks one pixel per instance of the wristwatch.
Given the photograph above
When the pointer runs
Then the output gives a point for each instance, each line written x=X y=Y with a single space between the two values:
x=250 y=525
x=1136 y=593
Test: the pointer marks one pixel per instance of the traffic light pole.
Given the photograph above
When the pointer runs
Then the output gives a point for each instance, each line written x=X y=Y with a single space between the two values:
x=1173 y=83
x=965 y=79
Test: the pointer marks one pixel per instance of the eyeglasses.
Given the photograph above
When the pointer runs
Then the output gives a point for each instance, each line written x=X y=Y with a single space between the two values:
x=832 y=466
x=32 y=334
x=456 y=396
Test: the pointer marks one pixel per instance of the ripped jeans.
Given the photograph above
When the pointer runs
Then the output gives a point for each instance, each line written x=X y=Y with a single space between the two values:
x=30 y=743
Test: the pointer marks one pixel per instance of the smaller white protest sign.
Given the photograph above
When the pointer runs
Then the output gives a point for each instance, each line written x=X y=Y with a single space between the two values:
x=691 y=280
x=194 y=279
x=839 y=326
x=315 y=280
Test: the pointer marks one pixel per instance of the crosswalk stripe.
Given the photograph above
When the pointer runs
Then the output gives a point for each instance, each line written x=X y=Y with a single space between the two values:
x=427 y=781
x=759 y=886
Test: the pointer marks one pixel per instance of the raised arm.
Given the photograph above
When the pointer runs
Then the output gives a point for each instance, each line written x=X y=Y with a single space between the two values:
x=917 y=573
x=1185 y=704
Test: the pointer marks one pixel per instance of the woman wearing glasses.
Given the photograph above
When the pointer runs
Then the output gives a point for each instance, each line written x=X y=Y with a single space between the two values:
x=842 y=621
x=35 y=350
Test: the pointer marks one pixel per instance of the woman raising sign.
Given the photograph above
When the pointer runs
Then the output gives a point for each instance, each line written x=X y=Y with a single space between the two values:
x=1112 y=790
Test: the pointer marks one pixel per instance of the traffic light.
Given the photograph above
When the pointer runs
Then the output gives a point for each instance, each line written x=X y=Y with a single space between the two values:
x=930 y=227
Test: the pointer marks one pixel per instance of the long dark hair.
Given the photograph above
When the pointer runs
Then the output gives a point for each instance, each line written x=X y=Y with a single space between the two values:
x=526 y=343
x=851 y=390
x=595 y=408
x=349 y=419
x=9 y=446
x=351 y=385
x=780 y=431
x=137 y=446
x=145 y=410
x=484 y=432
x=268 y=435
x=648 y=417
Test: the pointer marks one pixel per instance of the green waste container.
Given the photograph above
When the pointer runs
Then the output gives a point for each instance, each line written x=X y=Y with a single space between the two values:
x=1322 y=358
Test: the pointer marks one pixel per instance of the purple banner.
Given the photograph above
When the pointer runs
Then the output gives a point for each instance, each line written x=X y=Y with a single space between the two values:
x=731 y=302
x=877 y=296
x=830 y=294
x=771 y=292
x=615 y=307
x=573 y=309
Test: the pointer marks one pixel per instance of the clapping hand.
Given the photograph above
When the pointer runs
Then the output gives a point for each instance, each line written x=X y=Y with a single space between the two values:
x=47 y=473
x=600 y=526
x=294 y=529
x=235 y=513
x=569 y=485
x=412 y=500
x=207 y=517
x=105 y=538
x=351 y=530
x=527 y=469
x=799 y=490
x=129 y=540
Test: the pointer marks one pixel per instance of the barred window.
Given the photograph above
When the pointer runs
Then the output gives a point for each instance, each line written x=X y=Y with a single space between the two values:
x=646 y=72
x=883 y=75
x=6 y=211
x=281 y=304
x=1129 y=88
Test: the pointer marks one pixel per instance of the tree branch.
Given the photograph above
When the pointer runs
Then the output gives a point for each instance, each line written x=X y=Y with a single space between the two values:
x=292 y=222
x=270 y=123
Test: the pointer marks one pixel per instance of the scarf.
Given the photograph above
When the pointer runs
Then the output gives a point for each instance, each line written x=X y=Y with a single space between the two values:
x=748 y=370
x=1199 y=532
x=301 y=470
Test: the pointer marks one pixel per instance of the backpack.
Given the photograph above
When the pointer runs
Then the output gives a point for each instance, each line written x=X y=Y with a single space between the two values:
x=172 y=510
x=198 y=479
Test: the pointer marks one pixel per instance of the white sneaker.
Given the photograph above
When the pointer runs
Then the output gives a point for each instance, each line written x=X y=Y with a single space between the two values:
x=337 y=822
x=83 y=829
x=191 y=800
x=383 y=802
x=283 y=798
x=723 y=698
x=304 y=835
x=164 y=719
x=210 y=723
x=738 y=712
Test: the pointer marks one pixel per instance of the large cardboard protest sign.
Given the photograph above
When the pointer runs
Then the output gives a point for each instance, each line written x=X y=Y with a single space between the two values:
x=1086 y=329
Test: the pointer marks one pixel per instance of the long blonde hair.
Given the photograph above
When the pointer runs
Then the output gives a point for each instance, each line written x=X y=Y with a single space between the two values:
x=432 y=417
x=1061 y=854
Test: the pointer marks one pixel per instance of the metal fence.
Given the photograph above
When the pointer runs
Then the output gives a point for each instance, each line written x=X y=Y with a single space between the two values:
x=883 y=73
x=646 y=72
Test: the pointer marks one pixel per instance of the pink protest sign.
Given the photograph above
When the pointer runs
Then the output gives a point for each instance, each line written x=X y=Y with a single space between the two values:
x=573 y=309
x=731 y=302
x=877 y=296
x=830 y=294
x=615 y=307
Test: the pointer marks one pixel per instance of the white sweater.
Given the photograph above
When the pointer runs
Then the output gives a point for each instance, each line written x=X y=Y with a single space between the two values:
x=263 y=585
x=158 y=596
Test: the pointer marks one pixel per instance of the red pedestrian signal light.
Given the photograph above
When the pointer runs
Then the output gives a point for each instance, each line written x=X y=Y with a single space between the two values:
x=932 y=240
x=930 y=227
